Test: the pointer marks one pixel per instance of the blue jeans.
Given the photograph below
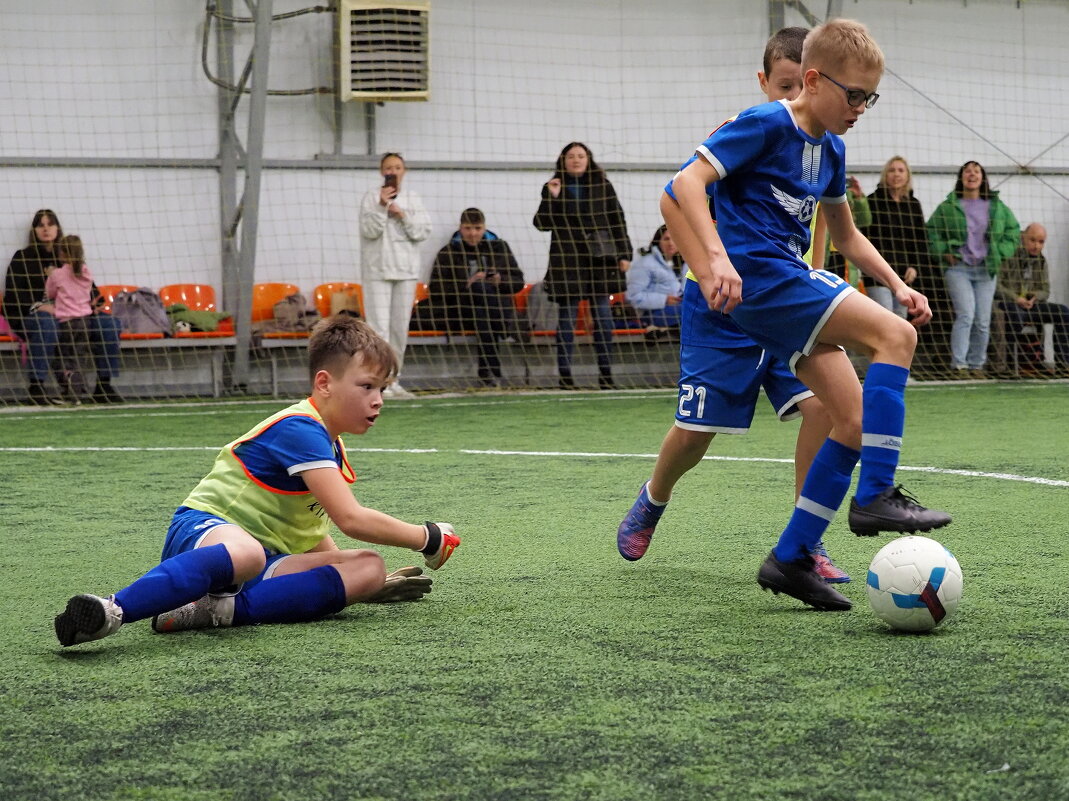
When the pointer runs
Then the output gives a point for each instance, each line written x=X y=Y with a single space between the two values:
x=41 y=332
x=886 y=298
x=666 y=317
x=566 y=314
x=972 y=291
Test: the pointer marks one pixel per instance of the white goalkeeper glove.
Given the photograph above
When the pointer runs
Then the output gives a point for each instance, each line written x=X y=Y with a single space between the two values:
x=448 y=541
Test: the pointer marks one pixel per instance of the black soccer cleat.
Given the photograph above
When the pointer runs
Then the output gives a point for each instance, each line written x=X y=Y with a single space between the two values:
x=894 y=510
x=799 y=579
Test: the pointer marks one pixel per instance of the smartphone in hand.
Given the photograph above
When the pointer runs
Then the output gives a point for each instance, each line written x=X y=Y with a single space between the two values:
x=390 y=181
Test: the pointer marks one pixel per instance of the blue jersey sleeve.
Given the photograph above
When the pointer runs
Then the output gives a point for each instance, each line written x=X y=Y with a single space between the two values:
x=735 y=144
x=281 y=452
x=836 y=191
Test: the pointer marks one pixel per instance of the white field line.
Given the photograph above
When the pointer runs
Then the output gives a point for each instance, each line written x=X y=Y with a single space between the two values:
x=1047 y=482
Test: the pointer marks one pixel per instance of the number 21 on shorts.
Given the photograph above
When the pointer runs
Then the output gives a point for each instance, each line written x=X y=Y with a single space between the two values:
x=689 y=394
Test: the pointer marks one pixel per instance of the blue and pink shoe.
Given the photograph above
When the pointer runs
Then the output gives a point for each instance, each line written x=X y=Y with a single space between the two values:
x=634 y=535
x=827 y=569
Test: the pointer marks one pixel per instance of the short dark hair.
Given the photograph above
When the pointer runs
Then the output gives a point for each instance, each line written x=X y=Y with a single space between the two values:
x=335 y=339
x=390 y=156
x=472 y=216
x=784 y=43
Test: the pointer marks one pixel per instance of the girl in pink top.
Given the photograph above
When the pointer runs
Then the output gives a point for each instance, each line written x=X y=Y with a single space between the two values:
x=71 y=288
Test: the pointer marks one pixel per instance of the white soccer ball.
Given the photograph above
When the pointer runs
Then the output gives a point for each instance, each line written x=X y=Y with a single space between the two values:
x=914 y=584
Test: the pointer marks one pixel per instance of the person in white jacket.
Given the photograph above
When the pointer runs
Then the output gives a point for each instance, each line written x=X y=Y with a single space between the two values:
x=393 y=222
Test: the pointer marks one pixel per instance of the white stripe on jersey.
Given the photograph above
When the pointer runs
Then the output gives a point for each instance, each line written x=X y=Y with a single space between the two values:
x=811 y=155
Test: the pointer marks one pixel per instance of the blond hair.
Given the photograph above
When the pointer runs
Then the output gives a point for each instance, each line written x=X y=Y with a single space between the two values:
x=909 y=174
x=839 y=40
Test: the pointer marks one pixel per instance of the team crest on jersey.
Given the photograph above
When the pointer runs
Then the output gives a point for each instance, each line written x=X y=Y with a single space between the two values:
x=802 y=208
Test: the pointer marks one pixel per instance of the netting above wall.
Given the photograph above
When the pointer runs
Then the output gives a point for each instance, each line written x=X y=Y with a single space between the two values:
x=114 y=123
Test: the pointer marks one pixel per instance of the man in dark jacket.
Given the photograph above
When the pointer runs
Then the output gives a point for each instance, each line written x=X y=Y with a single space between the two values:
x=472 y=283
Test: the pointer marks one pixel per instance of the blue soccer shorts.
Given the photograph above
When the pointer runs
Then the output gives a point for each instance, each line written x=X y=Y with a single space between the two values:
x=188 y=529
x=787 y=308
x=719 y=387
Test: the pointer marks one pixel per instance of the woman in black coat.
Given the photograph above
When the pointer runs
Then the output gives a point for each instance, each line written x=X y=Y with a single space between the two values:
x=897 y=231
x=588 y=254
x=32 y=316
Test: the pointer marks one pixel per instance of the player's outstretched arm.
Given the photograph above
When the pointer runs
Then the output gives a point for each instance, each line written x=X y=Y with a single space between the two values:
x=719 y=280
x=857 y=248
x=370 y=525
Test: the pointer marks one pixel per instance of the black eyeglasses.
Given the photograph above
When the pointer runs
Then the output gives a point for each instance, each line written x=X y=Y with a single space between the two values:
x=854 y=97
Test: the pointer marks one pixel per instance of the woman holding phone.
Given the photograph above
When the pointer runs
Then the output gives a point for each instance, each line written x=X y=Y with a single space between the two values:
x=393 y=222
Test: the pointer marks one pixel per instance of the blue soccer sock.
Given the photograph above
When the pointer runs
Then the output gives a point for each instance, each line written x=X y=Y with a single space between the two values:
x=883 y=419
x=293 y=598
x=175 y=582
x=823 y=491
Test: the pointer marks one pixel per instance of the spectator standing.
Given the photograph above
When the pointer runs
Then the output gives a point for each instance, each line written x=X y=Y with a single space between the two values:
x=1024 y=294
x=472 y=283
x=655 y=283
x=897 y=231
x=70 y=287
x=589 y=253
x=393 y=223
x=33 y=318
x=972 y=232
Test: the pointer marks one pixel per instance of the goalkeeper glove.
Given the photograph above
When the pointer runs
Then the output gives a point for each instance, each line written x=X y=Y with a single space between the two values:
x=441 y=542
x=406 y=584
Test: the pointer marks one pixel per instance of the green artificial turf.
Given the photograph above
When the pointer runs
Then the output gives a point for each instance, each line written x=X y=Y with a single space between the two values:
x=543 y=666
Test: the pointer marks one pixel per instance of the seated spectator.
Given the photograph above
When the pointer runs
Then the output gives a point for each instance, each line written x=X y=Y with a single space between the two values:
x=655 y=284
x=1023 y=292
x=70 y=288
x=32 y=317
x=471 y=287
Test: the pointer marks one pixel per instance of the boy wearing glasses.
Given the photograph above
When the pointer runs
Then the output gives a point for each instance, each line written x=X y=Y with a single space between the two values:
x=769 y=168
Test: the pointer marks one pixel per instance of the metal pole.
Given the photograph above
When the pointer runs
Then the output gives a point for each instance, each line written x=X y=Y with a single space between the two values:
x=228 y=158
x=250 y=203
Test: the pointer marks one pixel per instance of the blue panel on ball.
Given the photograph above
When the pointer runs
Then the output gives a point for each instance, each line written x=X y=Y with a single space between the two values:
x=936 y=578
x=873 y=580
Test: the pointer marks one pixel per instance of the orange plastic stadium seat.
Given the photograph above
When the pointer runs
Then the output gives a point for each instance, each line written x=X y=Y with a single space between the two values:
x=321 y=295
x=584 y=323
x=196 y=297
x=266 y=295
x=519 y=300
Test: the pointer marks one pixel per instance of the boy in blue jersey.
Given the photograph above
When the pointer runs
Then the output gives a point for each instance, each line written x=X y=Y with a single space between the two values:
x=722 y=372
x=250 y=544
x=770 y=167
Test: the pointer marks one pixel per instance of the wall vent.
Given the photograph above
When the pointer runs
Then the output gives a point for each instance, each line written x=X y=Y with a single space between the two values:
x=385 y=50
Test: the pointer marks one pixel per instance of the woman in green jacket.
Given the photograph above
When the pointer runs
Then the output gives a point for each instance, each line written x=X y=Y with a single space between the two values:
x=971 y=233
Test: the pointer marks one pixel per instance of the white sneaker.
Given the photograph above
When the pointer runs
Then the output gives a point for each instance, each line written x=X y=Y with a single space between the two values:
x=397 y=392
x=87 y=618
x=211 y=611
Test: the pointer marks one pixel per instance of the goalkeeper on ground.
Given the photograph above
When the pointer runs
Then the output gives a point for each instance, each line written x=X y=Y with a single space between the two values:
x=250 y=544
